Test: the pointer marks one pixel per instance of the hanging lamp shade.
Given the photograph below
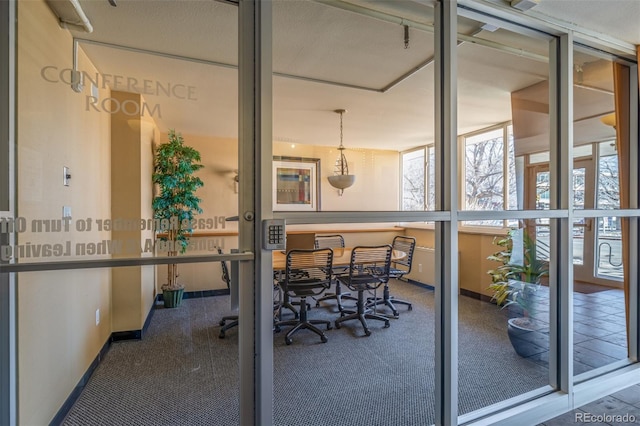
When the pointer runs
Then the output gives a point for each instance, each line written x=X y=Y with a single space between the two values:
x=341 y=178
x=341 y=181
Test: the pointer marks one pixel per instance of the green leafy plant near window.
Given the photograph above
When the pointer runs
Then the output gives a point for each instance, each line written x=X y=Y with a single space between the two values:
x=175 y=165
x=516 y=282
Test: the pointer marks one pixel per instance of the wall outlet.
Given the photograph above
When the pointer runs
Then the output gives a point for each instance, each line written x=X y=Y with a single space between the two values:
x=419 y=267
x=66 y=212
x=97 y=316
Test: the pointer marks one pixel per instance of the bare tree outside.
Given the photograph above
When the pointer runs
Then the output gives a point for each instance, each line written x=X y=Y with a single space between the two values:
x=608 y=183
x=413 y=181
x=485 y=171
x=484 y=189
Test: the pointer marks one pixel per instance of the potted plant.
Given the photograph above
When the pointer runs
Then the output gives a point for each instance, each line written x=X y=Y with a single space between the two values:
x=176 y=204
x=515 y=284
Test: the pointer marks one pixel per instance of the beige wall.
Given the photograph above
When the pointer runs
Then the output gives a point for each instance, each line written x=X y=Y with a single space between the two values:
x=149 y=135
x=57 y=334
x=377 y=176
x=131 y=193
x=474 y=248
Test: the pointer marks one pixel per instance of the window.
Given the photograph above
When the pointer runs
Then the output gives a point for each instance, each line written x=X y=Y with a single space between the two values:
x=489 y=156
x=413 y=180
x=608 y=196
x=487 y=159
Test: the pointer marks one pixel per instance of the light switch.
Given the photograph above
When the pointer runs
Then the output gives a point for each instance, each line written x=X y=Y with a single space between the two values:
x=66 y=176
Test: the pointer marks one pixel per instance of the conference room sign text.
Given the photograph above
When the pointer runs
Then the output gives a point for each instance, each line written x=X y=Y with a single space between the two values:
x=76 y=80
x=125 y=246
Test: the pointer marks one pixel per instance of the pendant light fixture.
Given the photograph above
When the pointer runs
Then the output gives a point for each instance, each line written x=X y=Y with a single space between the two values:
x=341 y=178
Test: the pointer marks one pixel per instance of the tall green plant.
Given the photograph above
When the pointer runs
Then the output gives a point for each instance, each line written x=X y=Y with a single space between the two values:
x=174 y=168
x=516 y=282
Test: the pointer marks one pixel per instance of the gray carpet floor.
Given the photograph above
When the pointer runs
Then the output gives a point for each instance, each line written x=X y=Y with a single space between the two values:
x=181 y=373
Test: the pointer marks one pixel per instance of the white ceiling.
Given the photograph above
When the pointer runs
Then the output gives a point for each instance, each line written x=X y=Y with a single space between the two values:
x=317 y=41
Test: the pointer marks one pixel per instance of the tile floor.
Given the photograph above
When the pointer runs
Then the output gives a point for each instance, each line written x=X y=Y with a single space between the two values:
x=599 y=328
x=599 y=338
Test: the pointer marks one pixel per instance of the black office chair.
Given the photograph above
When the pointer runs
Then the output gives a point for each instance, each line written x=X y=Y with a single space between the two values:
x=368 y=270
x=399 y=268
x=333 y=241
x=233 y=318
x=307 y=273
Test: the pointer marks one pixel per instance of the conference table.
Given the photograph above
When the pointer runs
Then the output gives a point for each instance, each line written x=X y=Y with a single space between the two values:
x=341 y=257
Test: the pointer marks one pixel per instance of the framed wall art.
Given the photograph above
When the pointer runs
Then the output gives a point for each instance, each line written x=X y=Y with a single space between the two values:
x=296 y=184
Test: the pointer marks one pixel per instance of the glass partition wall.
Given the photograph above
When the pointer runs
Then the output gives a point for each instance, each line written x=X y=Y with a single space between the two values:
x=503 y=117
x=127 y=148
x=351 y=90
x=439 y=123
x=601 y=239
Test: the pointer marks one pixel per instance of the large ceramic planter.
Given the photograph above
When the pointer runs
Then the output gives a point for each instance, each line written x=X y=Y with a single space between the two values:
x=172 y=298
x=528 y=339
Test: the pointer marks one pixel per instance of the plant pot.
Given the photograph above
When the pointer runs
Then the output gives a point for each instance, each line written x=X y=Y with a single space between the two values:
x=528 y=337
x=172 y=298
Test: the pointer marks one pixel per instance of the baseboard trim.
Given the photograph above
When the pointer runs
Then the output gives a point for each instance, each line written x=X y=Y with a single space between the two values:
x=75 y=393
x=463 y=292
x=419 y=284
x=475 y=295
x=118 y=336
x=198 y=294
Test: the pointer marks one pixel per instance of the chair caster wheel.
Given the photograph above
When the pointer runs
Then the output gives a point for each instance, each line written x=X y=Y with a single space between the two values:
x=410 y=308
x=317 y=304
x=222 y=323
x=329 y=326
x=288 y=341
x=324 y=339
x=276 y=329
x=367 y=332
x=221 y=335
x=387 y=324
x=337 y=325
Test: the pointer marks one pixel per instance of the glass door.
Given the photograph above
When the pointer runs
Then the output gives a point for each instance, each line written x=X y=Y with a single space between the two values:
x=127 y=183
x=583 y=229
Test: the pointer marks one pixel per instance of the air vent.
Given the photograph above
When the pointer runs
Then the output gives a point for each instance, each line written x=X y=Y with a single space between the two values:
x=524 y=4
